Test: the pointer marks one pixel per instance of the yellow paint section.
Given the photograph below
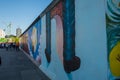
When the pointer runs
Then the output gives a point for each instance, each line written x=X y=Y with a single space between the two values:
x=16 y=39
x=34 y=38
x=114 y=59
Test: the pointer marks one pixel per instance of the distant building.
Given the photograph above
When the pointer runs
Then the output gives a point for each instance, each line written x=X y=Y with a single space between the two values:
x=18 y=32
x=2 y=33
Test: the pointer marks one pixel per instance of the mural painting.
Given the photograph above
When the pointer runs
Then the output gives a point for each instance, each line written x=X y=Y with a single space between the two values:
x=57 y=10
x=57 y=40
x=60 y=41
x=113 y=36
x=23 y=43
x=65 y=45
x=33 y=41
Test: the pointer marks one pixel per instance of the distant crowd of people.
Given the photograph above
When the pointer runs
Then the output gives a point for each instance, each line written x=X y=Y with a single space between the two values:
x=12 y=45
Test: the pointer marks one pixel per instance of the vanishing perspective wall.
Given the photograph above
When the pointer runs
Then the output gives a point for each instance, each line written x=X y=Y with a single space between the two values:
x=76 y=40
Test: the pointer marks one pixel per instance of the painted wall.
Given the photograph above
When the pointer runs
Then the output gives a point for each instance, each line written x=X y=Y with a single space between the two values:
x=113 y=36
x=91 y=39
x=75 y=40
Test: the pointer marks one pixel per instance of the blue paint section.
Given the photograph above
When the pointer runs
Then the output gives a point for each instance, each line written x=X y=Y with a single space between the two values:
x=38 y=27
x=71 y=62
x=34 y=34
x=69 y=29
x=29 y=42
x=48 y=37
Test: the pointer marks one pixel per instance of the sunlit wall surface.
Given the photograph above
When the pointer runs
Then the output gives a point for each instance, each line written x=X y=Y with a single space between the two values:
x=74 y=40
x=91 y=39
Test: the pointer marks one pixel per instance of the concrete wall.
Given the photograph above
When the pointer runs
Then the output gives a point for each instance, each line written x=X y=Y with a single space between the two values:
x=72 y=41
x=91 y=43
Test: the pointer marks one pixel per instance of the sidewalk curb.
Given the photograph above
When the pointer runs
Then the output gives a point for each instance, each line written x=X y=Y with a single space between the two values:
x=31 y=58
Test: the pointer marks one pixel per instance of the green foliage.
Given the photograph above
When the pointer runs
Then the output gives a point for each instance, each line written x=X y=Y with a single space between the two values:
x=3 y=40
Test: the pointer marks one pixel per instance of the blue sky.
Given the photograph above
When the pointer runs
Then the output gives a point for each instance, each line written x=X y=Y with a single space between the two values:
x=20 y=13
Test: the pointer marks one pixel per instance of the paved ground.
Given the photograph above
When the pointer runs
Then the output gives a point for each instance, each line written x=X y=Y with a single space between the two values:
x=17 y=66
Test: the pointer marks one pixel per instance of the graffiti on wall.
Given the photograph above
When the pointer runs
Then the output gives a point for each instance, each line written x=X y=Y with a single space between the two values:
x=65 y=42
x=64 y=38
x=113 y=38
x=23 y=42
x=33 y=41
x=55 y=11
x=69 y=56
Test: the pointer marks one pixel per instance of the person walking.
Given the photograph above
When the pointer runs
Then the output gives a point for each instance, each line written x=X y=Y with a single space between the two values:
x=6 y=45
x=17 y=46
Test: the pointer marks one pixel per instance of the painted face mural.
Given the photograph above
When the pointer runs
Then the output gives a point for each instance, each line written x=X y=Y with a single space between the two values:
x=33 y=41
x=34 y=38
x=113 y=36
